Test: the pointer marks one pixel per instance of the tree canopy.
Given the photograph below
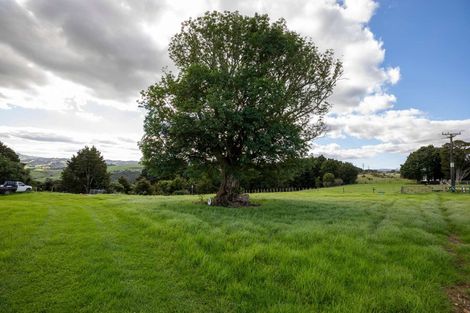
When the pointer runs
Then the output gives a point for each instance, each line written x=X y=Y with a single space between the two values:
x=461 y=160
x=247 y=92
x=424 y=163
x=433 y=163
x=11 y=167
x=85 y=171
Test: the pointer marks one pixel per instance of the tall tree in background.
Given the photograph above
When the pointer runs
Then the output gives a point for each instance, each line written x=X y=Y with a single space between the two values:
x=461 y=160
x=11 y=167
x=247 y=92
x=85 y=171
x=423 y=163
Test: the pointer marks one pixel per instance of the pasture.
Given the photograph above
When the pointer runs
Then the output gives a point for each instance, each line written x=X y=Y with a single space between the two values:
x=329 y=250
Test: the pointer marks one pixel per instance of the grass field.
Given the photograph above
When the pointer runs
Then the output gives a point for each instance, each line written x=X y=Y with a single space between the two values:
x=122 y=168
x=383 y=178
x=41 y=174
x=330 y=250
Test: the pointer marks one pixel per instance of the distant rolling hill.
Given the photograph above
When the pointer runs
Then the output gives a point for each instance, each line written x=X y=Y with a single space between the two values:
x=42 y=168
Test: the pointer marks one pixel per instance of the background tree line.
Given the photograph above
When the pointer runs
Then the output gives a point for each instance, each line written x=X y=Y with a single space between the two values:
x=87 y=170
x=310 y=172
x=433 y=163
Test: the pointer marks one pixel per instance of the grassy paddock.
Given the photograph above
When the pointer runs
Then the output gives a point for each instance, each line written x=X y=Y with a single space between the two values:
x=328 y=250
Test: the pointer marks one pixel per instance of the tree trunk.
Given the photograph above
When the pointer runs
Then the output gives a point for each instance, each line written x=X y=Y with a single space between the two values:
x=229 y=189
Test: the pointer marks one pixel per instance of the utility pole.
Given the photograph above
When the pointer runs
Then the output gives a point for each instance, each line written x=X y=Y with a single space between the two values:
x=452 y=165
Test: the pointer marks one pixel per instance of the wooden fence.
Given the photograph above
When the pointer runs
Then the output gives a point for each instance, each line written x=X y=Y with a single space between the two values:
x=279 y=189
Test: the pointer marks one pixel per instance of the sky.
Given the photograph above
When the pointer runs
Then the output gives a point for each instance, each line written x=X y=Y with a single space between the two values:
x=71 y=71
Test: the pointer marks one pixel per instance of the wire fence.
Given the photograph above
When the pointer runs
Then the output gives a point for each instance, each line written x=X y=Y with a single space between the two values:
x=279 y=189
x=414 y=189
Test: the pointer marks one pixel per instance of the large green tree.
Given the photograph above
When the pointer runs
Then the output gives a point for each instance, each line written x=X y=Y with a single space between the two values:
x=11 y=167
x=423 y=163
x=247 y=92
x=461 y=154
x=85 y=171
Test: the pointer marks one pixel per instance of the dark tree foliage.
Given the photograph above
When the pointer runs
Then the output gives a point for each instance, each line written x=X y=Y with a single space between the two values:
x=461 y=160
x=298 y=173
x=423 y=163
x=85 y=171
x=248 y=92
x=309 y=170
x=348 y=173
x=11 y=167
x=328 y=179
x=312 y=174
x=301 y=173
x=178 y=185
x=125 y=185
x=202 y=181
x=49 y=185
x=330 y=166
x=143 y=187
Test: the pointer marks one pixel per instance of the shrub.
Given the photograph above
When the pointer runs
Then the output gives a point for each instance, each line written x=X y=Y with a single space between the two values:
x=48 y=185
x=328 y=179
x=338 y=182
x=318 y=183
x=168 y=187
x=143 y=187
x=125 y=185
x=115 y=188
x=163 y=187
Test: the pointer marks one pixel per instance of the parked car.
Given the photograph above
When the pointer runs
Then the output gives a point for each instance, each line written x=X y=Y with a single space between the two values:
x=11 y=186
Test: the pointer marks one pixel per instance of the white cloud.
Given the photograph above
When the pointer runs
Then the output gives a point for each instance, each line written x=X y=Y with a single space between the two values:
x=58 y=94
x=335 y=151
x=394 y=126
x=398 y=131
x=50 y=143
x=360 y=10
x=393 y=74
x=120 y=47
x=89 y=116
x=375 y=103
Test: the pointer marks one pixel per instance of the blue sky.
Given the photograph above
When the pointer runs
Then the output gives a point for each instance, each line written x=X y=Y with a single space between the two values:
x=430 y=40
x=70 y=75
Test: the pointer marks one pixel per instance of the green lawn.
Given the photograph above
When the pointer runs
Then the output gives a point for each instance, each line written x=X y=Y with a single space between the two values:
x=329 y=250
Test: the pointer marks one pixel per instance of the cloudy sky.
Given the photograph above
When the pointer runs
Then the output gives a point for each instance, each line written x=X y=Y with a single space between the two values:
x=71 y=71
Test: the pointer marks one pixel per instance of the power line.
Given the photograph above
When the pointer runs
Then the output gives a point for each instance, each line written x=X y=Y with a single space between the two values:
x=452 y=165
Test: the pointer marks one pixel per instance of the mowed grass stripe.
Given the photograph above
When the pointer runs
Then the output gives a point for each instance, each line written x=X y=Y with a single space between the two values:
x=327 y=251
x=117 y=267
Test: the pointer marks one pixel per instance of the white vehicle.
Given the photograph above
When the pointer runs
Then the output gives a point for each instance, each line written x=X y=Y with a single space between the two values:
x=15 y=186
x=22 y=187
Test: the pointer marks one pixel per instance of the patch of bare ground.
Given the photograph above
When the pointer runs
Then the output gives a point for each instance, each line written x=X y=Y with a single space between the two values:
x=453 y=242
x=453 y=239
x=459 y=295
